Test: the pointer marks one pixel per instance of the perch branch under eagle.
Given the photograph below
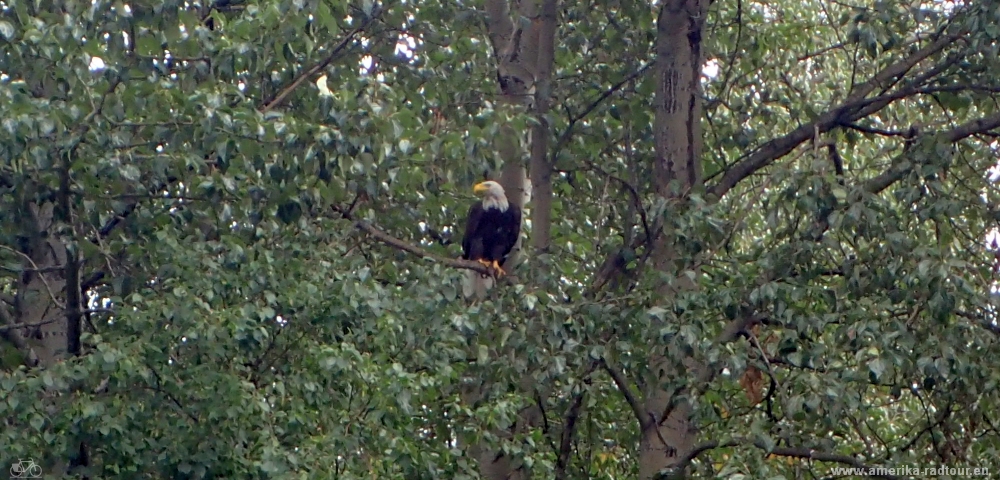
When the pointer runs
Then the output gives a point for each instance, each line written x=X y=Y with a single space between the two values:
x=491 y=231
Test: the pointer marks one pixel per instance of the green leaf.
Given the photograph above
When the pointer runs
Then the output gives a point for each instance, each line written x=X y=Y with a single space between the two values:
x=7 y=30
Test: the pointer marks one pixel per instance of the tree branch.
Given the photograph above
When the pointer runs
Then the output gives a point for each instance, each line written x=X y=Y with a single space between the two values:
x=569 y=429
x=630 y=397
x=159 y=388
x=8 y=330
x=568 y=131
x=875 y=131
x=34 y=266
x=779 y=147
x=16 y=326
x=299 y=80
x=406 y=247
x=900 y=167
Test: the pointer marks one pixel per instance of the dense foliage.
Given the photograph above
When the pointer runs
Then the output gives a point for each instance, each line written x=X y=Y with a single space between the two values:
x=206 y=167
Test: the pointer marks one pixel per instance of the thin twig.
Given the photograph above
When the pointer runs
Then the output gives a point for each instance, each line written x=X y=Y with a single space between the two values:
x=34 y=265
x=159 y=388
x=568 y=131
x=17 y=326
x=763 y=355
x=280 y=97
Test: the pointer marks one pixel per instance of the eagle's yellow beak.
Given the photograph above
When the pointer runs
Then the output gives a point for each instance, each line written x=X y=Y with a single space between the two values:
x=480 y=188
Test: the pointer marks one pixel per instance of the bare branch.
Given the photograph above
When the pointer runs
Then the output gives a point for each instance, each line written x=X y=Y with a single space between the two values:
x=8 y=330
x=875 y=131
x=810 y=454
x=159 y=388
x=16 y=326
x=568 y=131
x=632 y=191
x=406 y=247
x=819 y=52
x=897 y=69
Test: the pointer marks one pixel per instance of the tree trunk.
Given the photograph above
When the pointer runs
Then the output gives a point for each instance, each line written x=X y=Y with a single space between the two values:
x=541 y=167
x=667 y=434
x=524 y=61
x=42 y=284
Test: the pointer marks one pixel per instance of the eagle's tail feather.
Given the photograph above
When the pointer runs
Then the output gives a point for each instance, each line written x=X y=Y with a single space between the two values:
x=476 y=284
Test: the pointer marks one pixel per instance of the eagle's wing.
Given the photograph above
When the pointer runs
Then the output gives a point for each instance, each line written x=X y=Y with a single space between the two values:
x=513 y=229
x=474 y=284
x=471 y=225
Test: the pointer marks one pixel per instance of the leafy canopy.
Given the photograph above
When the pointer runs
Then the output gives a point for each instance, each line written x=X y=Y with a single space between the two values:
x=243 y=327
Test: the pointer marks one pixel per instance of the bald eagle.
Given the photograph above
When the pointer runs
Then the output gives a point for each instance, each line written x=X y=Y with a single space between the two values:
x=490 y=233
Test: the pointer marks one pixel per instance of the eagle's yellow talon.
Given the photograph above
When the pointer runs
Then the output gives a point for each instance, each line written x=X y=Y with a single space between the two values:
x=499 y=271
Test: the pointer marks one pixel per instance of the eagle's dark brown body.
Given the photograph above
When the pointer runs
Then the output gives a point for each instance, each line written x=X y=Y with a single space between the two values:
x=490 y=233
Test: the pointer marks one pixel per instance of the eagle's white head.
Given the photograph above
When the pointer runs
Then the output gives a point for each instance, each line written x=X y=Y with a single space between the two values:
x=493 y=195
